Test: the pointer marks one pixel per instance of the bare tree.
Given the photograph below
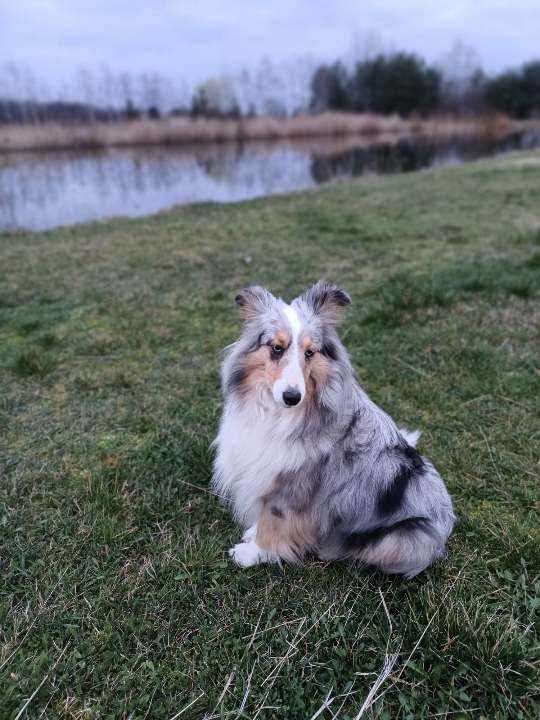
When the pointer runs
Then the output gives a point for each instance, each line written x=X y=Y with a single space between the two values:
x=30 y=89
x=297 y=76
x=87 y=87
x=270 y=89
x=151 y=85
x=461 y=78
x=105 y=88
x=126 y=89
x=10 y=90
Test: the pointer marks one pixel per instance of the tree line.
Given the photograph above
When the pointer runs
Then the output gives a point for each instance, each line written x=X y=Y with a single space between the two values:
x=405 y=84
x=269 y=89
x=384 y=83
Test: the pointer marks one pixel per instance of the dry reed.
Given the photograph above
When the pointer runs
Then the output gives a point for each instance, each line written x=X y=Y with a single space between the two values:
x=187 y=130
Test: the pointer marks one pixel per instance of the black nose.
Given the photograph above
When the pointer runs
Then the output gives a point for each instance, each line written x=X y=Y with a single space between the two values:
x=291 y=396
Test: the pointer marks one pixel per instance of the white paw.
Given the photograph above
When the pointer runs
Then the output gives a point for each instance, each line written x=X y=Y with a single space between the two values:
x=250 y=533
x=247 y=554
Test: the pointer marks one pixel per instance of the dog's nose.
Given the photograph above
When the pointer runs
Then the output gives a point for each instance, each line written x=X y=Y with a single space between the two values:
x=291 y=396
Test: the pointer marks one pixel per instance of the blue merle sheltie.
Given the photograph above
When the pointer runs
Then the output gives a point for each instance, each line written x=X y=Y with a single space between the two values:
x=310 y=465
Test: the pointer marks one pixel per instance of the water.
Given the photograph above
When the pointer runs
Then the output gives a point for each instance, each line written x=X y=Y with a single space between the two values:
x=44 y=190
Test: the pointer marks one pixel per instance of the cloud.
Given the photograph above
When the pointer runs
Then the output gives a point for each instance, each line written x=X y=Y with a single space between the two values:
x=194 y=40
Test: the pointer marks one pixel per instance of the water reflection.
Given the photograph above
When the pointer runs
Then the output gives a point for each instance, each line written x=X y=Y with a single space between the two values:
x=409 y=154
x=40 y=191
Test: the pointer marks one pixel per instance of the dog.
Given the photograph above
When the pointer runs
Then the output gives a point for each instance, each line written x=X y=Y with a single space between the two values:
x=309 y=464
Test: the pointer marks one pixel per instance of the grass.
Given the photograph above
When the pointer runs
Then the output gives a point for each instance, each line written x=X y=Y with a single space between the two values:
x=187 y=130
x=118 y=599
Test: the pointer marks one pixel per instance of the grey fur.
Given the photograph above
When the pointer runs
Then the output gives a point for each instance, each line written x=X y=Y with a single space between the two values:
x=371 y=496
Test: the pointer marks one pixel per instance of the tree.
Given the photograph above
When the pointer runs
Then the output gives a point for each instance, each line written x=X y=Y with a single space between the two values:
x=462 y=80
x=215 y=97
x=516 y=92
x=531 y=81
x=126 y=89
x=131 y=112
x=150 y=91
x=269 y=89
x=87 y=90
x=400 y=83
x=329 y=88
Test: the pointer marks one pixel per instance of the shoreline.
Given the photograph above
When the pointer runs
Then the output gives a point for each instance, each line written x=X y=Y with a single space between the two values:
x=190 y=131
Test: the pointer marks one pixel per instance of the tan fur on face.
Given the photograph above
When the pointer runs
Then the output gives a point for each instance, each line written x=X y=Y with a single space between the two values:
x=315 y=373
x=259 y=366
x=315 y=369
x=306 y=343
x=289 y=534
x=255 y=368
x=282 y=338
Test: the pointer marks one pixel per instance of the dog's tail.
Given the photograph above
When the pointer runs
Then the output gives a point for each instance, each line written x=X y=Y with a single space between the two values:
x=411 y=436
x=405 y=548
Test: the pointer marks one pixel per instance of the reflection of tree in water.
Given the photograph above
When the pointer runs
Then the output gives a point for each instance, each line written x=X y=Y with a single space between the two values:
x=408 y=155
x=221 y=162
x=403 y=156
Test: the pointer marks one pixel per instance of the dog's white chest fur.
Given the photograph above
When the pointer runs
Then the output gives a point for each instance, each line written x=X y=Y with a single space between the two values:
x=254 y=446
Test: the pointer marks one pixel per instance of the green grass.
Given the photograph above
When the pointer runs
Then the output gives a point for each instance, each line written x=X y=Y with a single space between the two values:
x=118 y=599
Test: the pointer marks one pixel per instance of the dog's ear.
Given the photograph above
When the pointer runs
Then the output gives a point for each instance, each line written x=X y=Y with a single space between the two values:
x=253 y=301
x=327 y=301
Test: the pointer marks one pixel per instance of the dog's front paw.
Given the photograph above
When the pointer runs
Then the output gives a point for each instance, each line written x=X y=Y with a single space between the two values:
x=247 y=554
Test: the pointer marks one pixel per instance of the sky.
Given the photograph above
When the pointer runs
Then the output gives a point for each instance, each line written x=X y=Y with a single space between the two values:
x=195 y=39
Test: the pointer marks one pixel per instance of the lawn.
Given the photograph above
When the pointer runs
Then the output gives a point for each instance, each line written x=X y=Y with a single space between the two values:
x=118 y=599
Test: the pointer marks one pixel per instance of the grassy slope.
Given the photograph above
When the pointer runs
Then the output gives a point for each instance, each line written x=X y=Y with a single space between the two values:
x=117 y=590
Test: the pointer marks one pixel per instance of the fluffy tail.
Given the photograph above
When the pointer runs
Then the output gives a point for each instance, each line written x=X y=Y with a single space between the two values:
x=404 y=548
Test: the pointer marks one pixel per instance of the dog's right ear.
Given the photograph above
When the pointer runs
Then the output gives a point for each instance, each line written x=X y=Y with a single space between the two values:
x=327 y=301
x=253 y=302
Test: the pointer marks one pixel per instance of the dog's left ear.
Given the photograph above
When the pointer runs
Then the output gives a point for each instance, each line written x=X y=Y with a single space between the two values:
x=327 y=301
x=253 y=301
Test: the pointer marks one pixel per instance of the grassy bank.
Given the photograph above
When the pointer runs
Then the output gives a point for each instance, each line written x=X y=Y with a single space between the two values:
x=186 y=130
x=118 y=599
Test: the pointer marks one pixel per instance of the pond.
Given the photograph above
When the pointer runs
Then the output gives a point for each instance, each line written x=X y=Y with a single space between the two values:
x=39 y=191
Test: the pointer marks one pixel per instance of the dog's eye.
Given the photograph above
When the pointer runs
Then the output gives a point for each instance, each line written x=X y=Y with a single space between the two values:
x=309 y=354
x=277 y=349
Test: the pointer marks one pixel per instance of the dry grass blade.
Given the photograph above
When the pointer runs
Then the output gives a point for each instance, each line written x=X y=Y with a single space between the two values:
x=326 y=704
x=38 y=688
x=372 y=695
x=223 y=692
x=389 y=663
x=186 y=707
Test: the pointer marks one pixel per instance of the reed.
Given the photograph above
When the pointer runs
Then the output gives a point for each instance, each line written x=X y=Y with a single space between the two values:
x=187 y=130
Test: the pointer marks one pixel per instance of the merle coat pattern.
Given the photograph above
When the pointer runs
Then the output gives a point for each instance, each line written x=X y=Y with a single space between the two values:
x=307 y=461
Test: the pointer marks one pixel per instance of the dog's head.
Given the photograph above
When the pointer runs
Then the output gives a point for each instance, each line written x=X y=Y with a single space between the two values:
x=286 y=351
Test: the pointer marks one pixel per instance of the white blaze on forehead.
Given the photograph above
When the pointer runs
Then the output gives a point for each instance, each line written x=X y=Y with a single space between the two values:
x=294 y=320
x=291 y=375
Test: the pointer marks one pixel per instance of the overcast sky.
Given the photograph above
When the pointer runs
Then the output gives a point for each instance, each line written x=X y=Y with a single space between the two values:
x=197 y=38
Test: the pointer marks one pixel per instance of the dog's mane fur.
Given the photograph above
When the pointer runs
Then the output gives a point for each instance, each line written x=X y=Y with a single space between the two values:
x=334 y=475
